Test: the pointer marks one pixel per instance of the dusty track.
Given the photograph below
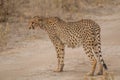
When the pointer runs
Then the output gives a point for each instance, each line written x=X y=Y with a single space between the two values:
x=36 y=59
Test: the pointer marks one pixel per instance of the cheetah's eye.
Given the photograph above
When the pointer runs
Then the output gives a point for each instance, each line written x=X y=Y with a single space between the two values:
x=40 y=19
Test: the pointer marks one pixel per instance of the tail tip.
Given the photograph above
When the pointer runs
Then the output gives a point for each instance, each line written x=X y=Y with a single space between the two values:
x=105 y=66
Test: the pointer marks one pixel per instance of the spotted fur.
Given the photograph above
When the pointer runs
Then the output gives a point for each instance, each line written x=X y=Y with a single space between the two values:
x=84 y=32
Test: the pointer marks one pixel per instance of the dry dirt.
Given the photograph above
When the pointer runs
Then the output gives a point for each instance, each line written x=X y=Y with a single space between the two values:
x=35 y=59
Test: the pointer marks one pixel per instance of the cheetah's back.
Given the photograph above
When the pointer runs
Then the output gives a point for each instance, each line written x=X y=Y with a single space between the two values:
x=73 y=34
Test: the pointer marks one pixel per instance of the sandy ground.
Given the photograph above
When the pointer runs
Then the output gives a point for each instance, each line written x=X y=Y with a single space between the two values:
x=36 y=59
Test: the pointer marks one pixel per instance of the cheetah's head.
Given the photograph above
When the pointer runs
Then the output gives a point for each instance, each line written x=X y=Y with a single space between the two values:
x=36 y=22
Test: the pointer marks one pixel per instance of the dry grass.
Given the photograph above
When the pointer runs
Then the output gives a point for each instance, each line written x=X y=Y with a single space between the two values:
x=4 y=31
x=19 y=12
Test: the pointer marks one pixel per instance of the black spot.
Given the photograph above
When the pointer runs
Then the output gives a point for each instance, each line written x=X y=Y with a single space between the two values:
x=99 y=51
x=101 y=60
x=96 y=52
x=57 y=48
x=95 y=44
x=100 y=55
x=99 y=47
x=62 y=49
x=88 y=55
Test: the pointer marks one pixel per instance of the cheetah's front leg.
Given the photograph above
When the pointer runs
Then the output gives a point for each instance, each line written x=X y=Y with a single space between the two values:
x=60 y=57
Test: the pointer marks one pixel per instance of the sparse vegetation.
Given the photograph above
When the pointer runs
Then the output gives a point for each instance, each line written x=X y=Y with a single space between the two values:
x=4 y=30
x=3 y=10
x=18 y=12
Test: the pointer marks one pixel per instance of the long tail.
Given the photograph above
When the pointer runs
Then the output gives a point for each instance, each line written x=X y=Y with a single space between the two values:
x=97 y=46
x=104 y=65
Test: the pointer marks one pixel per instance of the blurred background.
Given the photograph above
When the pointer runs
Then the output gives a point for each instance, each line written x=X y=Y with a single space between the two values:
x=15 y=14
x=29 y=54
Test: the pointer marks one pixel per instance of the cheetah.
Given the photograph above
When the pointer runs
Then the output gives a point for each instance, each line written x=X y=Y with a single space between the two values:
x=85 y=32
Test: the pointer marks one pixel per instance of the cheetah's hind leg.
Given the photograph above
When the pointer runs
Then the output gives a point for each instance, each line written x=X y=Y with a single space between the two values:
x=89 y=53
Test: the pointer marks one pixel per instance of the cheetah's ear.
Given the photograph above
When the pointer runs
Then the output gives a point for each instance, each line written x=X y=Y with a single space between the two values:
x=41 y=18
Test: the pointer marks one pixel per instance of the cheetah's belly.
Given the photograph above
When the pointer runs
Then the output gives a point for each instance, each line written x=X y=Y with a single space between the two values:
x=71 y=41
